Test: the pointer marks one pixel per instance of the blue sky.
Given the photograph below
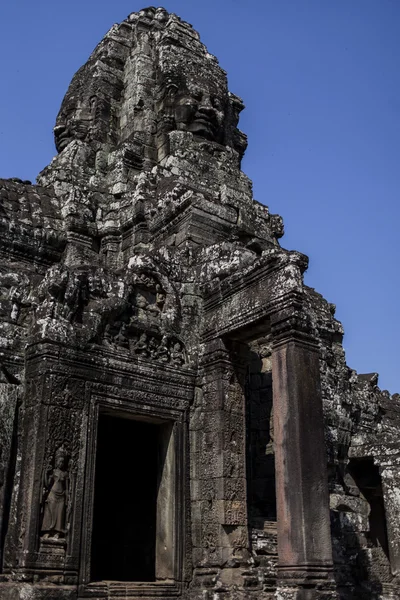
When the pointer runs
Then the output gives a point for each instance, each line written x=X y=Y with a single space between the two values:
x=321 y=84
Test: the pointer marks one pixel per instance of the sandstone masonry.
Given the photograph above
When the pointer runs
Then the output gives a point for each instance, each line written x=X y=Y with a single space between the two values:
x=177 y=419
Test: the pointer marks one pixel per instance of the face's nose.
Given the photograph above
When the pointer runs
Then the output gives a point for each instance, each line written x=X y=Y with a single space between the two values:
x=61 y=137
x=206 y=108
x=206 y=100
x=205 y=103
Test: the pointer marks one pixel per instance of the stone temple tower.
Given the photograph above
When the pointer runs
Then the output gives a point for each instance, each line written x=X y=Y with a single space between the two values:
x=177 y=419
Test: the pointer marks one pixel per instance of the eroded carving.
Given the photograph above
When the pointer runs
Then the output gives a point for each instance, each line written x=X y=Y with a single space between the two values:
x=125 y=276
x=56 y=496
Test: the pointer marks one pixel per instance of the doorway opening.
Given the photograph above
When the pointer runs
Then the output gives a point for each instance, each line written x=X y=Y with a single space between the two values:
x=260 y=444
x=368 y=480
x=133 y=512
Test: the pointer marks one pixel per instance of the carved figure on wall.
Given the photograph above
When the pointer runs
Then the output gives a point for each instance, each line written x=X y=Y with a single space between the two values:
x=63 y=293
x=141 y=345
x=19 y=301
x=177 y=355
x=141 y=301
x=56 y=483
x=153 y=347
x=163 y=351
x=121 y=338
x=108 y=337
x=51 y=292
x=145 y=311
x=76 y=296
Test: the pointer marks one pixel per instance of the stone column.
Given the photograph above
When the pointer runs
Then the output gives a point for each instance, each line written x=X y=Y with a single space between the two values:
x=9 y=396
x=304 y=537
x=53 y=426
x=218 y=471
x=390 y=475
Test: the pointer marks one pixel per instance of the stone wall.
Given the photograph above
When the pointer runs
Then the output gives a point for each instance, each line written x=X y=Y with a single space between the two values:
x=140 y=280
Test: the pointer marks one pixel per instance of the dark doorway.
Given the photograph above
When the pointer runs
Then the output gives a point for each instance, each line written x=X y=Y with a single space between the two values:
x=368 y=480
x=125 y=500
x=260 y=445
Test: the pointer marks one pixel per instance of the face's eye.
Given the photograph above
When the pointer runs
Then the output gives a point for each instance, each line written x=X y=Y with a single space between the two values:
x=197 y=94
x=216 y=102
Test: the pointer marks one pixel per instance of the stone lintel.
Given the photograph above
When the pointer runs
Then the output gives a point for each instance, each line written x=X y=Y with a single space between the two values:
x=241 y=308
x=99 y=365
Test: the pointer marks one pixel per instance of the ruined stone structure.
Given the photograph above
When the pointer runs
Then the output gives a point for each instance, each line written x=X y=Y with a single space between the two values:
x=177 y=417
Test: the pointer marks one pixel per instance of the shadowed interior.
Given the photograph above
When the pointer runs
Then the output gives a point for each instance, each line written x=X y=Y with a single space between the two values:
x=124 y=523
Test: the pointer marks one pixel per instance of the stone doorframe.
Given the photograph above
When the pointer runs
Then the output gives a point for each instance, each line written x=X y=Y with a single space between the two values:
x=244 y=308
x=389 y=471
x=110 y=405
x=64 y=389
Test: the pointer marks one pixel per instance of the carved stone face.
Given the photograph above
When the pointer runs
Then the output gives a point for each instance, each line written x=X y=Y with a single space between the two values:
x=201 y=114
x=159 y=14
x=196 y=107
x=191 y=95
x=73 y=126
x=59 y=462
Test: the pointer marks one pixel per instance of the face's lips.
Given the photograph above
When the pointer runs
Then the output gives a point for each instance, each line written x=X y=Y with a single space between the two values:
x=203 y=120
x=203 y=123
x=63 y=144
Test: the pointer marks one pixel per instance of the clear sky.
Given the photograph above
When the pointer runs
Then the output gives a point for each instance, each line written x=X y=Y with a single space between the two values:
x=321 y=84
